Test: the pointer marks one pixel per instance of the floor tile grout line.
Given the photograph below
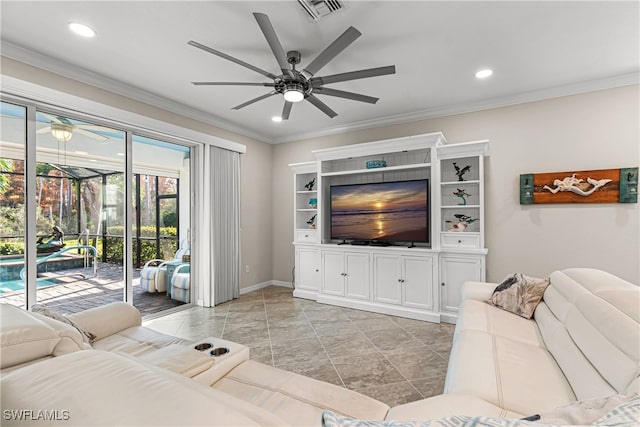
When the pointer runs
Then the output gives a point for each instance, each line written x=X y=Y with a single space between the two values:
x=325 y=349
x=388 y=360
x=266 y=319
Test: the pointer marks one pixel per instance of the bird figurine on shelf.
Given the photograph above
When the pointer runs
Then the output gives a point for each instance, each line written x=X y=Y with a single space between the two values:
x=309 y=185
x=312 y=221
x=463 y=222
x=461 y=193
x=461 y=171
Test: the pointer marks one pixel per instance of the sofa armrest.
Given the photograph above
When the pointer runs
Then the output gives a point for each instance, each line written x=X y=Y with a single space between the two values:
x=480 y=291
x=108 y=319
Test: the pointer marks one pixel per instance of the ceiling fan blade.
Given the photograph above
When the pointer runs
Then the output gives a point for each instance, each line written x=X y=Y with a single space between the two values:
x=54 y=119
x=347 y=95
x=274 y=43
x=44 y=129
x=232 y=84
x=260 y=98
x=232 y=59
x=90 y=134
x=286 y=110
x=340 y=44
x=353 y=75
x=321 y=106
x=93 y=127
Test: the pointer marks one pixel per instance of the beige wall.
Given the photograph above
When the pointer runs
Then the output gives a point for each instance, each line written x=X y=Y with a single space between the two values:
x=597 y=130
x=255 y=164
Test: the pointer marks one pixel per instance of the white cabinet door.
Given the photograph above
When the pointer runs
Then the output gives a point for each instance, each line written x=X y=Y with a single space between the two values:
x=454 y=271
x=417 y=276
x=333 y=273
x=357 y=275
x=387 y=285
x=308 y=269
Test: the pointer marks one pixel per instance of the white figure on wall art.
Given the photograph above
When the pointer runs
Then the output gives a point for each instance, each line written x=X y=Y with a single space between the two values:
x=576 y=185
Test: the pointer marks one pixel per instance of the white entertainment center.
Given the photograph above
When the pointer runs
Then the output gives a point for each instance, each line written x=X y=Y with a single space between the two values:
x=421 y=282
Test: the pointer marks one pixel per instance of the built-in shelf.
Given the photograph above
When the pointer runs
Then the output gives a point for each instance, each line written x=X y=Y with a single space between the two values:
x=377 y=170
x=460 y=206
x=307 y=210
x=475 y=181
x=307 y=192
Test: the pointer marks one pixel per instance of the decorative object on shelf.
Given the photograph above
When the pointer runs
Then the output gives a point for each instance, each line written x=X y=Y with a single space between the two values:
x=309 y=185
x=598 y=186
x=463 y=222
x=373 y=164
x=312 y=221
x=461 y=171
x=461 y=193
x=313 y=203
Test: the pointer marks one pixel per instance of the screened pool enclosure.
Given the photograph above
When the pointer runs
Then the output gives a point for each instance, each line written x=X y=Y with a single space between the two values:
x=79 y=183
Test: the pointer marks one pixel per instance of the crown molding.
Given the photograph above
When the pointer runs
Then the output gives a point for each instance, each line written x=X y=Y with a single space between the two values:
x=487 y=104
x=64 y=69
x=83 y=75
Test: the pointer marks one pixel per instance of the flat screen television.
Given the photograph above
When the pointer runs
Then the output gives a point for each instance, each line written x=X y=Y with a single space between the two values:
x=382 y=212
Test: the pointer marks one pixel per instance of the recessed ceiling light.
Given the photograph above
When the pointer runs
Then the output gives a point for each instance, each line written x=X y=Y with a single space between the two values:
x=276 y=119
x=483 y=74
x=120 y=154
x=81 y=153
x=81 y=29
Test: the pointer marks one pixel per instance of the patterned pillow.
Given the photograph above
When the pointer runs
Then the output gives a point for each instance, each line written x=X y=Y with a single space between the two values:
x=519 y=294
x=87 y=336
x=331 y=419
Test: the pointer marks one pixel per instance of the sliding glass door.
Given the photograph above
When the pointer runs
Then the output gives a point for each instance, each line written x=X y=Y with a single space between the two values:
x=13 y=137
x=83 y=184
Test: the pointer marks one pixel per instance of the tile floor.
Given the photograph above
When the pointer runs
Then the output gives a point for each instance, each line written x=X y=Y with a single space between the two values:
x=392 y=359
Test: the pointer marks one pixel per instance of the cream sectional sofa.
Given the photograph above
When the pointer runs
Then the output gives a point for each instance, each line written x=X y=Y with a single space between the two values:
x=583 y=342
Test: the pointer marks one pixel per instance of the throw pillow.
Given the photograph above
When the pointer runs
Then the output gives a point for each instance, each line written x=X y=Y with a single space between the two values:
x=87 y=336
x=331 y=419
x=519 y=294
x=626 y=414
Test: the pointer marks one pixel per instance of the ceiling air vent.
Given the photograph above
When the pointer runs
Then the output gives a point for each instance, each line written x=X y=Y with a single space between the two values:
x=316 y=9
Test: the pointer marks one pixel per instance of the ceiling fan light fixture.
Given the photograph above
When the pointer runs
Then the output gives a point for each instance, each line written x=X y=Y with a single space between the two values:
x=293 y=93
x=81 y=29
x=61 y=131
x=483 y=74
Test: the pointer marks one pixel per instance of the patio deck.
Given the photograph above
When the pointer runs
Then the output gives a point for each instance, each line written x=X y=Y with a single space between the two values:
x=75 y=293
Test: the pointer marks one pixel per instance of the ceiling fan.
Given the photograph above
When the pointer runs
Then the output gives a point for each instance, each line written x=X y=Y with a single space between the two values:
x=62 y=129
x=296 y=85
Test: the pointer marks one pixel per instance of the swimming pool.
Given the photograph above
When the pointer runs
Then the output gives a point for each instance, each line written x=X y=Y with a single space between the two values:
x=18 y=285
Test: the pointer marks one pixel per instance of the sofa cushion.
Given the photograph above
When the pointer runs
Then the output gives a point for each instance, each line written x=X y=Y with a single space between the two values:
x=108 y=319
x=445 y=405
x=519 y=294
x=138 y=341
x=297 y=399
x=24 y=337
x=40 y=309
x=510 y=374
x=590 y=321
x=480 y=316
x=101 y=388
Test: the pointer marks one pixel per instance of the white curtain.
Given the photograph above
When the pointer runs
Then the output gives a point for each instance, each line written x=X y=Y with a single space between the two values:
x=224 y=217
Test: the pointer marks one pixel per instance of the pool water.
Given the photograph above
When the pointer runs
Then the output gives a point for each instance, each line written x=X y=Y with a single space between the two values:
x=18 y=285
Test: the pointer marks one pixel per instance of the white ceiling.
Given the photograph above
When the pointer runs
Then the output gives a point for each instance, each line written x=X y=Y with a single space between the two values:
x=537 y=50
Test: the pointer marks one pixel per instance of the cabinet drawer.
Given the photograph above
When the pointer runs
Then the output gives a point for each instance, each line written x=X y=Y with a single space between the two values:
x=460 y=240
x=306 y=235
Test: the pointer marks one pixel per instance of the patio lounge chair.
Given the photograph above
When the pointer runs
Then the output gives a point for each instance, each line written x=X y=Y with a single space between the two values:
x=153 y=276
x=180 y=284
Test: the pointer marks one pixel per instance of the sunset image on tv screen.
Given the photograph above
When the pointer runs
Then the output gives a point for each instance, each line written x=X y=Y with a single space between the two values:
x=389 y=211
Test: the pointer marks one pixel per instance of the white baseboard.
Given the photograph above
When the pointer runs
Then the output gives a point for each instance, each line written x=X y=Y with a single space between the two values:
x=262 y=285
